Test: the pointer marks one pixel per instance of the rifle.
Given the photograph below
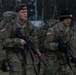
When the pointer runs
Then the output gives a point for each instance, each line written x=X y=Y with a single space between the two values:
x=29 y=46
x=66 y=49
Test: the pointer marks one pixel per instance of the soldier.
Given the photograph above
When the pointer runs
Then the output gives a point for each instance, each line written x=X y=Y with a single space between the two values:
x=14 y=45
x=55 y=58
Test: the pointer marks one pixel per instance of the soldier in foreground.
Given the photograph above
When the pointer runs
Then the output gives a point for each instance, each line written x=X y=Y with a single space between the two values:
x=55 y=57
x=14 y=45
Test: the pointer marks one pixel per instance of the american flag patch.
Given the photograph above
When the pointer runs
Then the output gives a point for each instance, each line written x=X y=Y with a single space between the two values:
x=49 y=33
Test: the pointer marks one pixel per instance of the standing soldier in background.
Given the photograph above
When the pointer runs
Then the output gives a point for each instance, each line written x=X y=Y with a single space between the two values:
x=55 y=58
x=14 y=45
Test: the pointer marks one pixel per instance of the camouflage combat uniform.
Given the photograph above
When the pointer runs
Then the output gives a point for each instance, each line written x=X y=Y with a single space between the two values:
x=17 y=62
x=55 y=58
x=41 y=37
x=42 y=32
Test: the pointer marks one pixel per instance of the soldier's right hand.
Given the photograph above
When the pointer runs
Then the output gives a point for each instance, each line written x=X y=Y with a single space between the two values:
x=23 y=42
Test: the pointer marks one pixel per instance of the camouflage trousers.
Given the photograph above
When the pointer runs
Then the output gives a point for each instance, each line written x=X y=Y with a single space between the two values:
x=56 y=66
x=17 y=63
x=30 y=68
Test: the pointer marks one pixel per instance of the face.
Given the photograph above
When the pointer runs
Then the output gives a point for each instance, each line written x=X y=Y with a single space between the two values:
x=66 y=21
x=22 y=14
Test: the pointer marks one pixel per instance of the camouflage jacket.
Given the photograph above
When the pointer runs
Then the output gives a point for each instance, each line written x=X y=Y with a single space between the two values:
x=54 y=32
x=9 y=38
x=43 y=30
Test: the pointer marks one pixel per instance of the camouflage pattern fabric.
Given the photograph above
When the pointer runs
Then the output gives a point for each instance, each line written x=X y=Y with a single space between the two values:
x=42 y=33
x=17 y=62
x=54 y=58
x=41 y=37
x=6 y=17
